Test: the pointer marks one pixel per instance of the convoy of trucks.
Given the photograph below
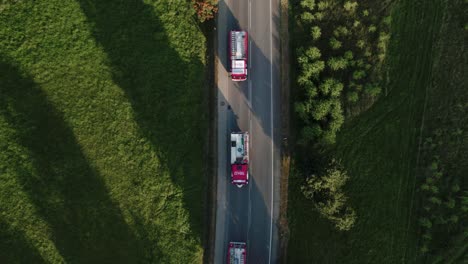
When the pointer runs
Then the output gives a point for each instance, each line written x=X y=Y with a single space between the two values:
x=238 y=46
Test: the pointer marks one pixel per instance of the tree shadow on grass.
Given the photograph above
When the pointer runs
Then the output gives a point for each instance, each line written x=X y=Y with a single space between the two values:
x=85 y=224
x=165 y=91
x=15 y=247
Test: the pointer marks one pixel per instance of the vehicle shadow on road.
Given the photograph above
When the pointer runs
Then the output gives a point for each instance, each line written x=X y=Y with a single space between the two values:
x=85 y=225
x=246 y=207
x=259 y=65
x=247 y=225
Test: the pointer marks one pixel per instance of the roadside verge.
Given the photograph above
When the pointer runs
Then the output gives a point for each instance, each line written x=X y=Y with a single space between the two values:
x=209 y=29
x=285 y=129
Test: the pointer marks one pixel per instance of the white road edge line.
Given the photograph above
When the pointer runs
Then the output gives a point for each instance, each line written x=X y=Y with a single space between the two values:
x=250 y=59
x=249 y=219
x=249 y=101
x=250 y=14
x=250 y=132
x=271 y=129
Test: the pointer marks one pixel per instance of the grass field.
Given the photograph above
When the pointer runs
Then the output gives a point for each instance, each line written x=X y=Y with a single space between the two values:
x=102 y=132
x=380 y=147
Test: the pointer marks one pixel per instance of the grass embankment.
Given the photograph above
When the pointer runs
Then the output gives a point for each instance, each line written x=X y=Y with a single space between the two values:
x=380 y=148
x=102 y=132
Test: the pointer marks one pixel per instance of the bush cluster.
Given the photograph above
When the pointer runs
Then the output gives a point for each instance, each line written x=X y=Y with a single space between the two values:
x=444 y=203
x=339 y=59
x=206 y=9
x=444 y=207
x=329 y=199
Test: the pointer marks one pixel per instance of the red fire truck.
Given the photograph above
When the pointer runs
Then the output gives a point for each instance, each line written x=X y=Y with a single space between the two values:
x=240 y=158
x=237 y=253
x=238 y=46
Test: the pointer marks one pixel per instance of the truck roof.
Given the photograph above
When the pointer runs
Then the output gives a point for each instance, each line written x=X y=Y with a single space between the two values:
x=239 y=158
x=237 y=253
x=238 y=45
x=239 y=148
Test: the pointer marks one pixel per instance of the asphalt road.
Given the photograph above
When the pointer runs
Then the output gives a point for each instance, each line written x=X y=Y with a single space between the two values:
x=249 y=214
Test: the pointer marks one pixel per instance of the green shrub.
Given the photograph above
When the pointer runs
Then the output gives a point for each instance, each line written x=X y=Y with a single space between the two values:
x=313 y=70
x=316 y=32
x=311 y=92
x=341 y=31
x=322 y=5
x=453 y=219
x=348 y=55
x=368 y=54
x=308 y=4
x=309 y=67
x=336 y=88
x=337 y=63
x=328 y=137
x=425 y=222
x=350 y=6
x=321 y=109
x=352 y=97
x=329 y=199
x=360 y=44
x=303 y=80
x=425 y=187
x=310 y=133
x=359 y=74
x=387 y=20
x=335 y=44
x=302 y=109
x=335 y=124
x=435 y=200
x=424 y=249
x=331 y=87
x=346 y=221
x=356 y=23
x=313 y=53
x=450 y=203
x=307 y=17
x=319 y=16
x=383 y=41
x=372 y=90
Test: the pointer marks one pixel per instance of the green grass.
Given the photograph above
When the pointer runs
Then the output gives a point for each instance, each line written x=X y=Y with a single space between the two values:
x=445 y=141
x=102 y=132
x=380 y=149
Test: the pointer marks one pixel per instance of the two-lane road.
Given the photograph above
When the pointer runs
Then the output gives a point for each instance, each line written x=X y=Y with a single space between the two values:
x=249 y=214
